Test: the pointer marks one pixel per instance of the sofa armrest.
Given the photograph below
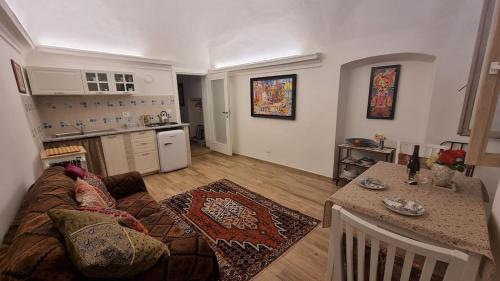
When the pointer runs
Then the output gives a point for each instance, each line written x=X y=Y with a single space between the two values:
x=122 y=185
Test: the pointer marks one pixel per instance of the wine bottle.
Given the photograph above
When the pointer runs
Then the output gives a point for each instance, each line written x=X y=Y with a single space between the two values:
x=414 y=166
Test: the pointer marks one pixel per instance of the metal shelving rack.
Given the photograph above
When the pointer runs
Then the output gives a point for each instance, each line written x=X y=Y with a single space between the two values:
x=344 y=153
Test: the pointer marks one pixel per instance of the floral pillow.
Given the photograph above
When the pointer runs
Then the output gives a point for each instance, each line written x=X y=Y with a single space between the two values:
x=88 y=195
x=95 y=181
x=123 y=217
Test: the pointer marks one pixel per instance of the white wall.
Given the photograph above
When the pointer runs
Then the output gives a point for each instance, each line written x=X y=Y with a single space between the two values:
x=20 y=164
x=305 y=143
x=412 y=101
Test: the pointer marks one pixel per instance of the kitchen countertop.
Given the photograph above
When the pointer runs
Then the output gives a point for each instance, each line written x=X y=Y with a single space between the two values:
x=113 y=132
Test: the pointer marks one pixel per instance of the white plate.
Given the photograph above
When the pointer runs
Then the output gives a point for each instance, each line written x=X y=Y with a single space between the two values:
x=371 y=183
x=404 y=206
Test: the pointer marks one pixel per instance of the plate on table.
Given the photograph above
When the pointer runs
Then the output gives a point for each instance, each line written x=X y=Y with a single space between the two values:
x=403 y=206
x=371 y=183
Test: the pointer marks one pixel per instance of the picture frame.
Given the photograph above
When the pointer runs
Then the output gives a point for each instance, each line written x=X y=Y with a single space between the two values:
x=18 y=74
x=273 y=96
x=382 y=94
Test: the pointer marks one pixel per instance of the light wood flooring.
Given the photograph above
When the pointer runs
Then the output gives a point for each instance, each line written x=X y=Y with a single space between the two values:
x=295 y=189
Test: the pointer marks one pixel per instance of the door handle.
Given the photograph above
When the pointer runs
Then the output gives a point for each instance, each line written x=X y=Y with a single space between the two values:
x=167 y=143
x=225 y=112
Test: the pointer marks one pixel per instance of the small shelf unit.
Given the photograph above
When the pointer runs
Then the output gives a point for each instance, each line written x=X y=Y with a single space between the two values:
x=344 y=159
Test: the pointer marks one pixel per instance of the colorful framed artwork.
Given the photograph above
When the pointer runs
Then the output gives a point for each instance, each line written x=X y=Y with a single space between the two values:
x=273 y=96
x=18 y=73
x=383 y=92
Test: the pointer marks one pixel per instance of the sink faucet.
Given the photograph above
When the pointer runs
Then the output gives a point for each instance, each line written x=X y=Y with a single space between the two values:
x=80 y=128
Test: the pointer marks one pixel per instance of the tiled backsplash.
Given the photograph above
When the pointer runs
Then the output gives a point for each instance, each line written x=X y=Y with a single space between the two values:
x=32 y=113
x=57 y=113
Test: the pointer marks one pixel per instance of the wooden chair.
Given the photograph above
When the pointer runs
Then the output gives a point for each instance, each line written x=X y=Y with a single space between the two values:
x=405 y=149
x=354 y=226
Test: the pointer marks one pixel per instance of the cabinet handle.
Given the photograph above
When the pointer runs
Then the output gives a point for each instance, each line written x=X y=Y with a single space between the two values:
x=145 y=154
x=167 y=143
x=144 y=143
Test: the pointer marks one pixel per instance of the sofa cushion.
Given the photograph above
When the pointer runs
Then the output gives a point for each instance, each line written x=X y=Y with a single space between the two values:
x=88 y=195
x=74 y=171
x=95 y=181
x=101 y=248
x=139 y=205
x=123 y=217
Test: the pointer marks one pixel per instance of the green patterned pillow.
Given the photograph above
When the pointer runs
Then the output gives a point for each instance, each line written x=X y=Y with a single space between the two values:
x=101 y=248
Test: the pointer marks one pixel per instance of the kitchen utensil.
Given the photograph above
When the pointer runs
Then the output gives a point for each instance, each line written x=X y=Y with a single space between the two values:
x=146 y=119
x=163 y=117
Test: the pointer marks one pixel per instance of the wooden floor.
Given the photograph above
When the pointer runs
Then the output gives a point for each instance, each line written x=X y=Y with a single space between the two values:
x=297 y=190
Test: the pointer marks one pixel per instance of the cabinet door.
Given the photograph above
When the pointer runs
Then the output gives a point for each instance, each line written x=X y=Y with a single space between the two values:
x=124 y=83
x=147 y=162
x=115 y=154
x=55 y=81
x=96 y=82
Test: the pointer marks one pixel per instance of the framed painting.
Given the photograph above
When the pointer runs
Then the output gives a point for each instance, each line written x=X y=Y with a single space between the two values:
x=383 y=92
x=273 y=96
x=18 y=73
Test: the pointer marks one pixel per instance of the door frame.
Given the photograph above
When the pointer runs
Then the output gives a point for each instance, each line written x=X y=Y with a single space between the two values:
x=209 y=113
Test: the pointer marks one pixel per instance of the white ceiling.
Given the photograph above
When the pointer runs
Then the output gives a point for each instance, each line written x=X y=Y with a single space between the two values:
x=203 y=34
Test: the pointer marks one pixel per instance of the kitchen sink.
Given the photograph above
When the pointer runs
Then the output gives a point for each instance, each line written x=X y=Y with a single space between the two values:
x=161 y=124
x=61 y=135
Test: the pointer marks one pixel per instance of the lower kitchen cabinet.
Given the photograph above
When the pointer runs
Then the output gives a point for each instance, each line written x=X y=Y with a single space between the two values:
x=115 y=156
x=142 y=151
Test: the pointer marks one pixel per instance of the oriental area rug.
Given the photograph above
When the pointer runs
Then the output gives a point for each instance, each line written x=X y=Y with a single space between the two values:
x=246 y=231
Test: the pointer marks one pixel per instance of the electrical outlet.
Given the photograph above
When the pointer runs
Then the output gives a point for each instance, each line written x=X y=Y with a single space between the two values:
x=126 y=114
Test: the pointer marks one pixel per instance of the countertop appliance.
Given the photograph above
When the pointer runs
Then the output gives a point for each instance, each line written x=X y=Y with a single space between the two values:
x=172 y=150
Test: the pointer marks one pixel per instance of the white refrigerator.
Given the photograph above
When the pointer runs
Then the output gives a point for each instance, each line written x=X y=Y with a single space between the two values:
x=172 y=150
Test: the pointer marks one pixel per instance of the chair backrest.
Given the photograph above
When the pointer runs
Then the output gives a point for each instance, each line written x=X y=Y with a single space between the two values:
x=355 y=226
x=405 y=148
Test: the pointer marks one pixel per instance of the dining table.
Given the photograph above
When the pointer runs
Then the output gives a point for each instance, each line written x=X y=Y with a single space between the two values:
x=452 y=219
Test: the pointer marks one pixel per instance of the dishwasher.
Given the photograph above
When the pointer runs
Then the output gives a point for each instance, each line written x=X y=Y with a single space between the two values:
x=172 y=150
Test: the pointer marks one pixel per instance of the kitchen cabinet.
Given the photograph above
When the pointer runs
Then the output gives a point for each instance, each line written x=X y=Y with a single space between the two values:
x=142 y=151
x=55 y=81
x=96 y=82
x=115 y=156
x=123 y=83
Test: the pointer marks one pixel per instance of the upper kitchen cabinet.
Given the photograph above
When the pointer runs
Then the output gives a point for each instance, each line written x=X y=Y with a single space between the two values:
x=123 y=83
x=96 y=82
x=153 y=81
x=55 y=81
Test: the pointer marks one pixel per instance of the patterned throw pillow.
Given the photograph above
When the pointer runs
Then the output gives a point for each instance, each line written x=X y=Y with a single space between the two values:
x=88 y=196
x=73 y=171
x=100 y=248
x=123 y=217
x=95 y=181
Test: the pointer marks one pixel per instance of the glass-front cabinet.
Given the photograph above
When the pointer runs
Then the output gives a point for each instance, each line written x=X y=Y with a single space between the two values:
x=124 y=83
x=96 y=82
